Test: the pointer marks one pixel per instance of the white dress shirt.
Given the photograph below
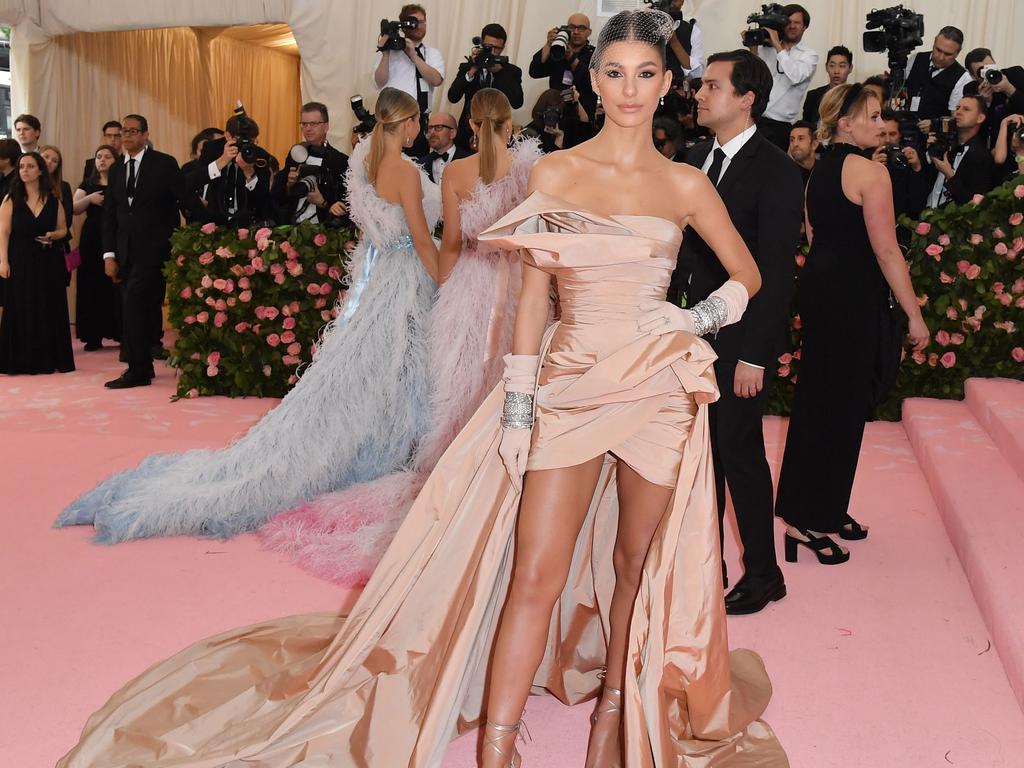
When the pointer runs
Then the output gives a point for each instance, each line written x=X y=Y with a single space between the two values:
x=938 y=195
x=438 y=166
x=696 y=52
x=792 y=71
x=402 y=73
x=958 y=90
x=731 y=148
x=138 y=164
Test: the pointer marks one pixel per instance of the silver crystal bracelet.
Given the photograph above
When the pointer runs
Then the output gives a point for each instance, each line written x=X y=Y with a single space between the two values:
x=709 y=315
x=518 y=411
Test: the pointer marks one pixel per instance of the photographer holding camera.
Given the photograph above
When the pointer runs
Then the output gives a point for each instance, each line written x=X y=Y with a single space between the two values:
x=558 y=120
x=935 y=81
x=406 y=63
x=778 y=42
x=1008 y=152
x=962 y=163
x=233 y=175
x=311 y=186
x=684 y=56
x=898 y=153
x=485 y=67
x=565 y=61
x=1002 y=89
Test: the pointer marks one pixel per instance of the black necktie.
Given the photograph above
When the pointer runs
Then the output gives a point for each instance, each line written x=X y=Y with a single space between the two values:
x=421 y=88
x=716 y=166
x=131 y=177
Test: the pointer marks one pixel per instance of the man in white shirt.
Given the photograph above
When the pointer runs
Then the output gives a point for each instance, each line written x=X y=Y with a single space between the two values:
x=792 y=65
x=441 y=130
x=936 y=80
x=685 y=54
x=417 y=69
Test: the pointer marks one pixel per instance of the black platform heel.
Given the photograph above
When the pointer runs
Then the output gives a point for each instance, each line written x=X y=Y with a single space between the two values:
x=852 y=530
x=823 y=547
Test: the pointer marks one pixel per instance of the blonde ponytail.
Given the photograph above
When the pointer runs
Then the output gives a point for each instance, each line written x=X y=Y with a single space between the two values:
x=393 y=108
x=844 y=100
x=489 y=111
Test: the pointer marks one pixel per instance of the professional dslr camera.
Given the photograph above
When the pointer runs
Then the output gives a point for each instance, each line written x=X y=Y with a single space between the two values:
x=366 y=119
x=1014 y=128
x=394 y=31
x=314 y=175
x=485 y=58
x=246 y=139
x=991 y=74
x=944 y=129
x=551 y=116
x=665 y=6
x=772 y=16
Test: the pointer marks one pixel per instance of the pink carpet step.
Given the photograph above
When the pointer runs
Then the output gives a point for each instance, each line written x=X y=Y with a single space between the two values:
x=981 y=501
x=998 y=405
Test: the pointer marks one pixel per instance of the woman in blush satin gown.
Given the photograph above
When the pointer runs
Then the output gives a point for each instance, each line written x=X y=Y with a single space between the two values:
x=341 y=536
x=358 y=410
x=602 y=563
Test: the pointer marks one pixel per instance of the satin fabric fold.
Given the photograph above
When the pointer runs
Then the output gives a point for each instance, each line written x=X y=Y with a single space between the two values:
x=392 y=683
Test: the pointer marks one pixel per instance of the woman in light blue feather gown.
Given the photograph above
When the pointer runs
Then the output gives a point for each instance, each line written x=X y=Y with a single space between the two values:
x=359 y=408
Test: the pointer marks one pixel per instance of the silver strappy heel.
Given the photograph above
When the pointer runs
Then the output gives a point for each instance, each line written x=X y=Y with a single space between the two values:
x=503 y=732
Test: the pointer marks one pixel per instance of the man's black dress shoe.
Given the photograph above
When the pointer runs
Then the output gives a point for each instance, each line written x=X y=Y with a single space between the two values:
x=122 y=356
x=129 y=379
x=92 y=346
x=750 y=596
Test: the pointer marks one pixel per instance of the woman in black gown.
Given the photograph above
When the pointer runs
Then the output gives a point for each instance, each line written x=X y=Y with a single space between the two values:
x=35 y=335
x=843 y=296
x=97 y=305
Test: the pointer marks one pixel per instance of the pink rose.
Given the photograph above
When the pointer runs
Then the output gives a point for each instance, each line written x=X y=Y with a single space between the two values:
x=923 y=228
x=263 y=233
x=277 y=268
x=213 y=358
x=325 y=315
x=951 y=313
x=241 y=327
x=258 y=263
x=319 y=303
x=312 y=289
x=962 y=266
x=209 y=228
x=243 y=233
x=294 y=348
x=783 y=371
x=797 y=353
x=243 y=283
x=1018 y=285
x=220 y=305
x=229 y=285
x=212 y=371
x=933 y=250
x=252 y=253
x=975 y=239
x=962 y=303
x=320 y=240
x=220 y=283
x=219 y=319
x=801 y=260
x=1001 y=249
x=325 y=289
x=944 y=240
x=180 y=261
x=245 y=296
x=286 y=310
x=256 y=329
x=980 y=311
x=973 y=271
x=273 y=339
x=202 y=317
x=288 y=337
x=1019 y=303
x=207 y=281
x=933 y=359
x=225 y=253
x=206 y=258
x=232 y=301
x=266 y=370
x=942 y=338
x=186 y=293
x=785 y=358
x=1018 y=191
x=291 y=360
x=1017 y=353
x=957 y=339
x=948 y=360
x=998 y=233
x=189 y=319
x=976 y=200
x=193 y=392
x=943 y=277
x=1016 y=218
x=279 y=279
x=294 y=307
x=288 y=323
x=294 y=268
x=236 y=270
x=249 y=269
x=797 y=322
x=1007 y=325
x=210 y=301
x=263 y=244
x=918 y=357
x=270 y=313
x=334 y=273
x=998 y=288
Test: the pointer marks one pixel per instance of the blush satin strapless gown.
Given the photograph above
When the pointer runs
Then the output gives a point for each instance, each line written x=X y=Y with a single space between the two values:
x=392 y=683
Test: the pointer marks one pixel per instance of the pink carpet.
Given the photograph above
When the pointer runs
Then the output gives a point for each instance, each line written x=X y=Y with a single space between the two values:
x=883 y=662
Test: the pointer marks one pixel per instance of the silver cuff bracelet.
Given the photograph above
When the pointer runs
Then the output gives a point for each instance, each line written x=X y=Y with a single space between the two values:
x=709 y=315
x=518 y=411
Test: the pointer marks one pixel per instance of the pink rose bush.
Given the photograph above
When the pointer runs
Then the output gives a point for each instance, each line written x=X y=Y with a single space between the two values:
x=246 y=308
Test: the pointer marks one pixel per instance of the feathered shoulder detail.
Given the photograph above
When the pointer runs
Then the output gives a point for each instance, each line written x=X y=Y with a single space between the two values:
x=489 y=202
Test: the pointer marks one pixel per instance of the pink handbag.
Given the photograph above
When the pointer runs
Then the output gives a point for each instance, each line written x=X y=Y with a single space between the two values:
x=73 y=259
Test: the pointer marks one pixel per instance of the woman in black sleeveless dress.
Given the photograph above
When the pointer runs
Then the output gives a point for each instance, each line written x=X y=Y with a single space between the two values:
x=97 y=303
x=843 y=295
x=35 y=335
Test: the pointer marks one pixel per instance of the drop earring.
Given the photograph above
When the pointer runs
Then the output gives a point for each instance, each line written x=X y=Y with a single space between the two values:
x=661 y=101
x=599 y=99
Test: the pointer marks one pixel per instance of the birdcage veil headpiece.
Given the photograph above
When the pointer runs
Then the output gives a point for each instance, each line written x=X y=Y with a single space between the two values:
x=647 y=26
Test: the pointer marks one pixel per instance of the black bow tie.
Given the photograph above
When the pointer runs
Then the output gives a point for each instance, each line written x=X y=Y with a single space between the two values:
x=437 y=156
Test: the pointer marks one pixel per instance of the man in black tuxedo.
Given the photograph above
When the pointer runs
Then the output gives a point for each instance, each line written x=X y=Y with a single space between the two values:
x=146 y=189
x=1004 y=97
x=234 y=191
x=441 y=129
x=763 y=191
x=839 y=65
x=570 y=66
x=967 y=169
x=507 y=78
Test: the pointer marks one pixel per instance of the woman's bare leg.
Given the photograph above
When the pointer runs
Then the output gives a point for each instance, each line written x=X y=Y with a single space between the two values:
x=642 y=505
x=554 y=506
